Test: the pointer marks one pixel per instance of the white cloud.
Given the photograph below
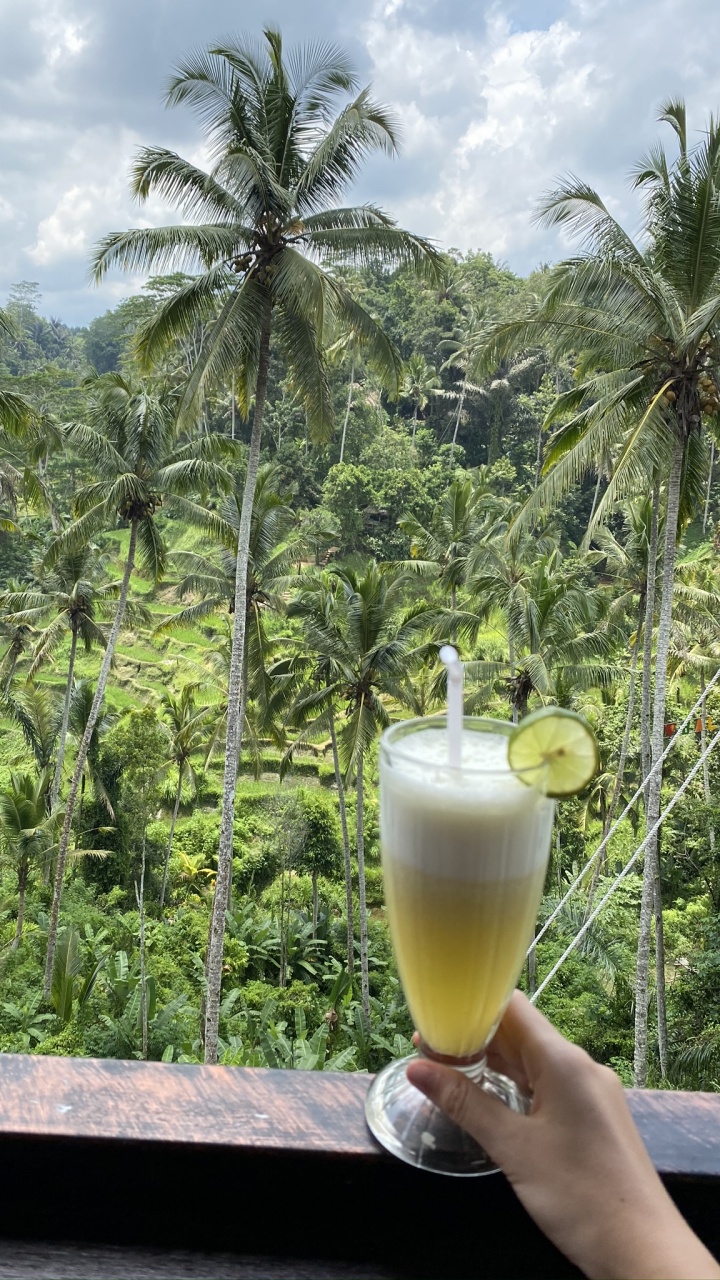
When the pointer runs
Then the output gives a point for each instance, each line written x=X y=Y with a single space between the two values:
x=59 y=35
x=494 y=108
x=64 y=233
x=91 y=198
x=520 y=107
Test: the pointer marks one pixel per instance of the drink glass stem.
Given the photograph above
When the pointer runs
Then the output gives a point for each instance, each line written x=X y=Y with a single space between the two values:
x=473 y=1066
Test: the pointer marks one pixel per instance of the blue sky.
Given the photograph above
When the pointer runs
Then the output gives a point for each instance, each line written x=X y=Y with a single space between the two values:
x=497 y=100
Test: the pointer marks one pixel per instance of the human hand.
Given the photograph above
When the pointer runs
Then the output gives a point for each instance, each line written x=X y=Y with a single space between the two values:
x=577 y=1161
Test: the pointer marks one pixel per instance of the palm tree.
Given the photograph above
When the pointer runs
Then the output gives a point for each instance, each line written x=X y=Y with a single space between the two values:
x=418 y=385
x=711 y=470
x=320 y=675
x=468 y=515
x=130 y=440
x=553 y=618
x=695 y=637
x=497 y=575
x=36 y=710
x=81 y=704
x=463 y=348
x=496 y=393
x=496 y=396
x=630 y=562
x=646 y=321
x=264 y=232
x=187 y=732
x=356 y=642
x=28 y=437
x=275 y=542
x=369 y=639
x=319 y=532
x=70 y=596
x=349 y=345
x=18 y=638
x=25 y=831
x=17 y=415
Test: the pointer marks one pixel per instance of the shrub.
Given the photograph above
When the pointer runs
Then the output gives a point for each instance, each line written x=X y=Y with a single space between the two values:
x=298 y=995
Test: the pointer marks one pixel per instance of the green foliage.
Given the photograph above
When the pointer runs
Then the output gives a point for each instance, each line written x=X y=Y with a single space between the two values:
x=358 y=570
x=27 y=1024
x=66 y=969
x=349 y=494
x=319 y=849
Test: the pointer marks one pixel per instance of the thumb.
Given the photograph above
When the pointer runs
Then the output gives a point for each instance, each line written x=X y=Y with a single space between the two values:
x=485 y=1118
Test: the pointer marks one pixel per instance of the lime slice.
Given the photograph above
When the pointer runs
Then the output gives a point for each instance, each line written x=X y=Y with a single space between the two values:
x=560 y=745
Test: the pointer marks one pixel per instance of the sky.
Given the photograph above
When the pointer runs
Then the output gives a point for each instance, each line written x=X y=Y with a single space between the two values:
x=497 y=102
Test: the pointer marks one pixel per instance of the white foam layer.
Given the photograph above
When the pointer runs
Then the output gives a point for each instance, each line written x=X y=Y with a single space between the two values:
x=479 y=822
x=480 y=750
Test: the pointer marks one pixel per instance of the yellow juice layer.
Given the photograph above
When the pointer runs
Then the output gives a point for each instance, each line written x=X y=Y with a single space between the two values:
x=460 y=947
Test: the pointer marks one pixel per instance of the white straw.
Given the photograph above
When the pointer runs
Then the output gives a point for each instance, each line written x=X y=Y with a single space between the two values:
x=455 y=674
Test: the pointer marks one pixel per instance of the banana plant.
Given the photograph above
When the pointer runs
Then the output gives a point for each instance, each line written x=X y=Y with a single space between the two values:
x=67 y=968
x=304 y=1052
x=28 y=1024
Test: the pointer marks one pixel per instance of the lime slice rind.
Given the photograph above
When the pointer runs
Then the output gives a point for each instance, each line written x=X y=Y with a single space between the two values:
x=555 y=750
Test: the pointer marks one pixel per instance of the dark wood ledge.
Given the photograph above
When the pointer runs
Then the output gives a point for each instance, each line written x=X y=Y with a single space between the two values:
x=153 y=1170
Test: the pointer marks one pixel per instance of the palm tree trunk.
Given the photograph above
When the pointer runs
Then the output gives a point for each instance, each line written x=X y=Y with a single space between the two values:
x=511 y=661
x=705 y=769
x=140 y=896
x=241 y=717
x=538 y=457
x=57 y=779
x=414 y=422
x=232 y=409
x=82 y=801
x=495 y=440
x=660 y=1000
x=168 y=851
x=632 y=685
x=348 y=408
x=11 y=672
x=364 y=970
x=649 y=628
x=82 y=757
x=349 y=913
x=282 y=972
x=22 y=888
x=706 y=510
x=461 y=401
x=234 y=729
x=650 y=902
x=596 y=495
x=610 y=814
x=453 y=606
x=228 y=902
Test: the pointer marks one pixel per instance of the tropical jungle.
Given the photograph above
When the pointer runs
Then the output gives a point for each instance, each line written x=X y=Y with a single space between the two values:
x=239 y=515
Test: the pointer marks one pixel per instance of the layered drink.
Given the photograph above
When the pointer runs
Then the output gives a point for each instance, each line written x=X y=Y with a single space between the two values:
x=464 y=853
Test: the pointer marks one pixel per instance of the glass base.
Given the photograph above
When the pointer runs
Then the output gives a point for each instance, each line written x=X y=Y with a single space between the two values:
x=412 y=1128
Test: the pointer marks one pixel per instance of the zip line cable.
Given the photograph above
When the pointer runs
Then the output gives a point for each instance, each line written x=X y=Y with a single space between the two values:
x=606 y=839
x=626 y=869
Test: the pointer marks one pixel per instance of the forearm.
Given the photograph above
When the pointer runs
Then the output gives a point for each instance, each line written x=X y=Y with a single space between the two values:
x=651 y=1242
x=576 y=1162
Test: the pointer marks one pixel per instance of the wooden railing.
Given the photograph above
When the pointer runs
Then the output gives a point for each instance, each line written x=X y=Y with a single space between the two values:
x=144 y=1168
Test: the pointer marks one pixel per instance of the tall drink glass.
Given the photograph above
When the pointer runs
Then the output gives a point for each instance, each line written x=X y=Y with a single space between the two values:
x=464 y=854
